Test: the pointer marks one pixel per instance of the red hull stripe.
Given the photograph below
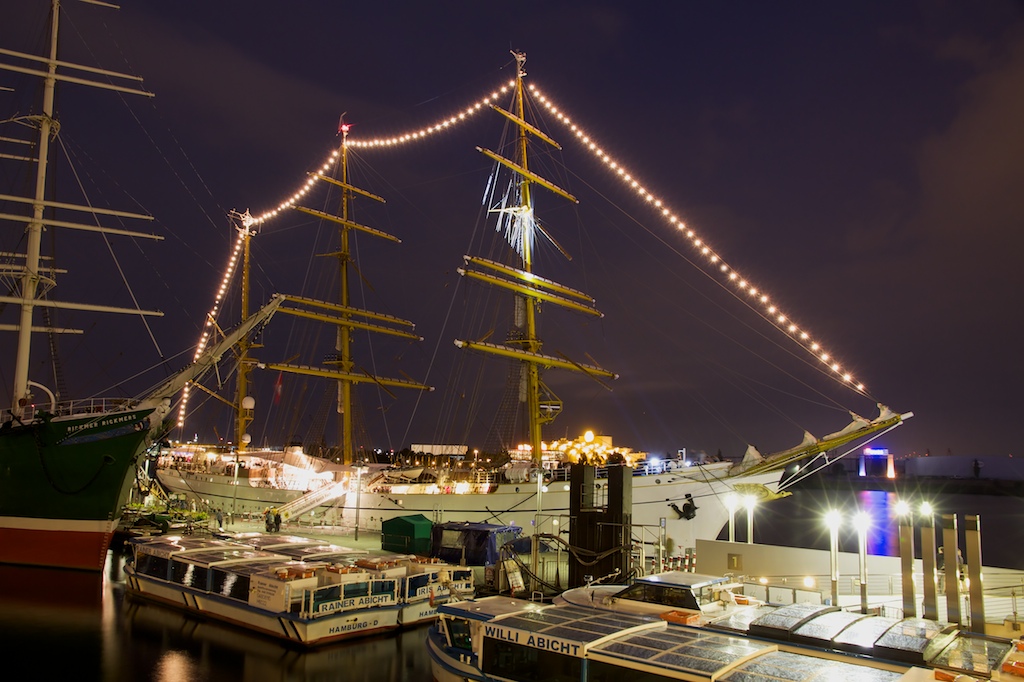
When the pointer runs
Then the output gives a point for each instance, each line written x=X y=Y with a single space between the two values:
x=85 y=551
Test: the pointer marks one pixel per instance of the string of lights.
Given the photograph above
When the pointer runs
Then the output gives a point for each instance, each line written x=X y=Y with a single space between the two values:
x=740 y=286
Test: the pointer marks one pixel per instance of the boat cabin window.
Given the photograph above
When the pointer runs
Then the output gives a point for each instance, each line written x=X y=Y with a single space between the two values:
x=383 y=587
x=190 y=575
x=459 y=633
x=518 y=662
x=599 y=671
x=230 y=585
x=676 y=597
x=416 y=582
x=155 y=566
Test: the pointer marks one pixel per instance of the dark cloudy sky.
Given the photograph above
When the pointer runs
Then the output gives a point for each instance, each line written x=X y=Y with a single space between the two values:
x=863 y=163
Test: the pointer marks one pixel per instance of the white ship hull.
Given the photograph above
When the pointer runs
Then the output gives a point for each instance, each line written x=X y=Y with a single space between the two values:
x=504 y=503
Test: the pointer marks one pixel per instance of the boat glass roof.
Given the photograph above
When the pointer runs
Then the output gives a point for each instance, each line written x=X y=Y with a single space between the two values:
x=574 y=623
x=683 y=650
x=793 y=667
x=788 y=618
x=865 y=632
x=828 y=625
x=977 y=656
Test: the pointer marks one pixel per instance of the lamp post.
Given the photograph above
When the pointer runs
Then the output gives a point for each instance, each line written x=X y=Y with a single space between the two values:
x=832 y=518
x=931 y=602
x=861 y=522
x=535 y=544
x=906 y=520
x=730 y=504
x=750 y=502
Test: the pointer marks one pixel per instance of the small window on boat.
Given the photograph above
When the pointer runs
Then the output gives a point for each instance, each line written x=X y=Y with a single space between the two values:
x=518 y=662
x=230 y=585
x=383 y=586
x=458 y=630
x=599 y=671
x=155 y=566
x=190 y=575
x=353 y=590
x=418 y=581
x=677 y=597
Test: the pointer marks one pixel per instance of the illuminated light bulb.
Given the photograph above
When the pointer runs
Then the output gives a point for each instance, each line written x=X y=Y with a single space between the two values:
x=781 y=319
x=804 y=335
x=847 y=377
x=824 y=357
x=860 y=387
x=792 y=329
x=743 y=284
x=764 y=299
x=771 y=309
x=815 y=346
x=732 y=275
x=835 y=367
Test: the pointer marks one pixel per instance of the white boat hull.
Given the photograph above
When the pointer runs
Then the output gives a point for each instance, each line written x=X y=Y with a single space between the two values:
x=504 y=503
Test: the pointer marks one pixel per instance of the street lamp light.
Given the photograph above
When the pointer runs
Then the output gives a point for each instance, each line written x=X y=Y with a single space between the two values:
x=833 y=518
x=862 y=522
x=750 y=502
x=731 y=502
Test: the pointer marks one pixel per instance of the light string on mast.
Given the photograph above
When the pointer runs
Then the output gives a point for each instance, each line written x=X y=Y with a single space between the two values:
x=386 y=142
x=211 y=317
x=740 y=286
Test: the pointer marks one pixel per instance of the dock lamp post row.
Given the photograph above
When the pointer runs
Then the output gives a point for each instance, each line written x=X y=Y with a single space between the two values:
x=861 y=523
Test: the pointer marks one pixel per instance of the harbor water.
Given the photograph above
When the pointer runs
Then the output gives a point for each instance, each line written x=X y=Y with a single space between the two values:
x=80 y=626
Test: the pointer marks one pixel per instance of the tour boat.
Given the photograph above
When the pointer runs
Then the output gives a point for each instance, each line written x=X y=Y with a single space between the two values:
x=497 y=638
x=303 y=592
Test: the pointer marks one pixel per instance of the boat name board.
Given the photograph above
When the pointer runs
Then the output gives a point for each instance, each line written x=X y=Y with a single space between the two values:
x=356 y=603
x=533 y=640
x=131 y=417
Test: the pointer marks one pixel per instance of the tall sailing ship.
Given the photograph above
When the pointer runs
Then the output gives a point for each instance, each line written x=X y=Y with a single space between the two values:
x=686 y=502
x=66 y=466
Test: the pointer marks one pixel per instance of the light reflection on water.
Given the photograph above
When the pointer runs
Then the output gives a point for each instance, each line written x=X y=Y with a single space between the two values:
x=883 y=534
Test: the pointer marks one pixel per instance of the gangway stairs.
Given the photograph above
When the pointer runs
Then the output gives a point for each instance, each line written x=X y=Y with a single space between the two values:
x=313 y=499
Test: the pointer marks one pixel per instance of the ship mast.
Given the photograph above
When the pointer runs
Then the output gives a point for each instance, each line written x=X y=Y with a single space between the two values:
x=344 y=337
x=243 y=404
x=342 y=314
x=35 y=283
x=541 y=405
x=34 y=230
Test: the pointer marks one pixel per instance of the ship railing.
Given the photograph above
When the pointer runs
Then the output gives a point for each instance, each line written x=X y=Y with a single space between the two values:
x=67 y=408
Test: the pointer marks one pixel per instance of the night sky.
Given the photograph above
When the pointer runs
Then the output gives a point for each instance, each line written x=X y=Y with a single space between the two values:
x=864 y=165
